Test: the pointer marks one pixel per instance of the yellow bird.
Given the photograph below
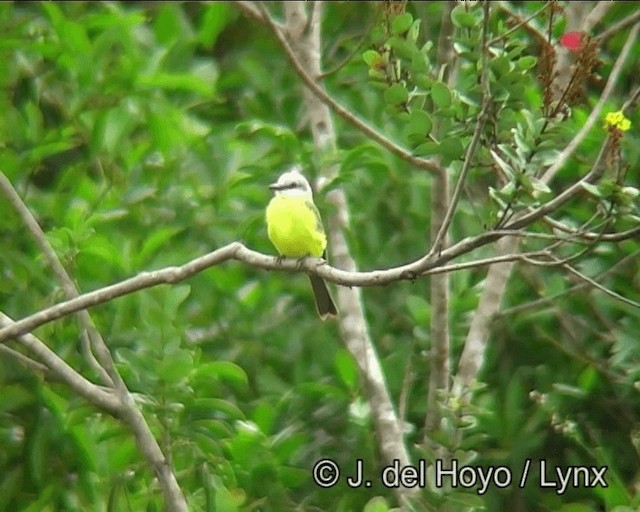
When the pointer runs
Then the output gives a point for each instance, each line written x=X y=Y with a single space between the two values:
x=295 y=229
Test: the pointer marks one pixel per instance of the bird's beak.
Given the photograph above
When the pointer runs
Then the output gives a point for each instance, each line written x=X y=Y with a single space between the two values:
x=274 y=186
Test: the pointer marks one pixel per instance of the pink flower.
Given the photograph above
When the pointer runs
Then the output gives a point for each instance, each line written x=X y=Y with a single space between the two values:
x=572 y=41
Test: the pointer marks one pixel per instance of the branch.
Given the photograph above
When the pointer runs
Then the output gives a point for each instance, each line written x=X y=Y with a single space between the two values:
x=617 y=27
x=101 y=399
x=237 y=251
x=590 y=236
x=310 y=82
x=89 y=334
x=547 y=301
x=250 y=9
x=478 y=335
x=25 y=361
x=595 y=16
x=597 y=285
x=127 y=409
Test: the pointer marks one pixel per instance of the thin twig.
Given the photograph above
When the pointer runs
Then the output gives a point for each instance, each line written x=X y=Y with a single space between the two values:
x=552 y=300
x=25 y=361
x=617 y=27
x=466 y=167
x=520 y=23
x=102 y=399
x=541 y=334
x=589 y=235
x=250 y=9
x=348 y=58
x=536 y=32
x=603 y=289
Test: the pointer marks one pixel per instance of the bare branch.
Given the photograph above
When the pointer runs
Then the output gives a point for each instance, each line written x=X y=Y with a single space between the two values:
x=25 y=361
x=90 y=334
x=603 y=289
x=521 y=22
x=617 y=27
x=251 y=10
x=237 y=251
x=536 y=32
x=548 y=301
x=97 y=396
x=475 y=344
x=127 y=409
x=595 y=15
x=588 y=235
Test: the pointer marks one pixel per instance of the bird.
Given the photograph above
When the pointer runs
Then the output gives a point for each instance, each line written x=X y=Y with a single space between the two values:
x=295 y=229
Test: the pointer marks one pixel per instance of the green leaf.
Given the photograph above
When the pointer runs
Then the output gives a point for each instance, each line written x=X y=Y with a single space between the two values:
x=203 y=408
x=465 y=501
x=594 y=190
x=526 y=62
x=539 y=188
x=223 y=370
x=176 y=367
x=426 y=149
x=401 y=23
x=154 y=242
x=461 y=18
x=441 y=95
x=346 y=368
x=372 y=58
x=423 y=81
x=217 y=16
x=403 y=48
x=264 y=416
x=294 y=477
x=414 y=31
x=506 y=168
x=176 y=82
x=376 y=504
x=419 y=123
x=451 y=148
x=396 y=94
x=419 y=309
x=228 y=501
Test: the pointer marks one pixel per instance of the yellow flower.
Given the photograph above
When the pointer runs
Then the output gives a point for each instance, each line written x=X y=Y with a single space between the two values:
x=617 y=120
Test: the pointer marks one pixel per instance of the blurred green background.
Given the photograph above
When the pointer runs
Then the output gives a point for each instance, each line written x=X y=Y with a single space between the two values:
x=142 y=135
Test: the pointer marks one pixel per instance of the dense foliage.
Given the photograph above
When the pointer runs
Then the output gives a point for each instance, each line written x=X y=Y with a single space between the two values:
x=143 y=135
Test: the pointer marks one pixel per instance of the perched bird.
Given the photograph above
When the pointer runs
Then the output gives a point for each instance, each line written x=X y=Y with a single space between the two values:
x=295 y=229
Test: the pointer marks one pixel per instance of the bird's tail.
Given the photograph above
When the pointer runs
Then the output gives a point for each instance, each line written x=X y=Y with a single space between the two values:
x=324 y=303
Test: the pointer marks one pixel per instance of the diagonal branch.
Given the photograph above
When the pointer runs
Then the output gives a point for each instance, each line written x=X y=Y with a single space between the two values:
x=310 y=82
x=90 y=334
x=57 y=366
x=547 y=301
x=128 y=411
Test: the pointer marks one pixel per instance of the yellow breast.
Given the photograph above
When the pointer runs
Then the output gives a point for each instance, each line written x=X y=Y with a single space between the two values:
x=295 y=228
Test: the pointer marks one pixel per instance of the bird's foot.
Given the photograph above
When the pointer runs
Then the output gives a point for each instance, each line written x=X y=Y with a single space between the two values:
x=301 y=262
